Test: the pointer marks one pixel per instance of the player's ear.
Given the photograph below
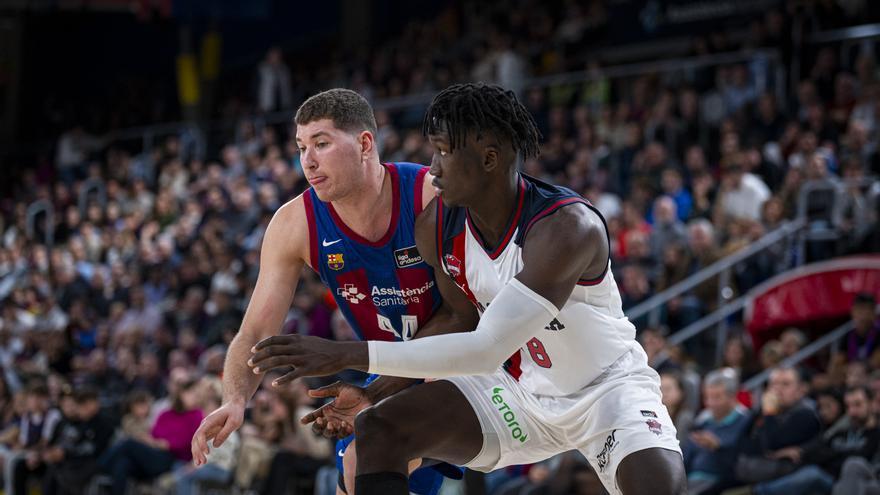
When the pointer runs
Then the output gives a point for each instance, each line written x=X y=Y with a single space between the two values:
x=491 y=157
x=367 y=143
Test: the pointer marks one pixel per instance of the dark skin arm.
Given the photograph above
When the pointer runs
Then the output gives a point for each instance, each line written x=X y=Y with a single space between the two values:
x=456 y=314
x=562 y=235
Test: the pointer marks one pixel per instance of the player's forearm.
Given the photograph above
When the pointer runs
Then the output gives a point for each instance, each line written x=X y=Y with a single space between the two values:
x=516 y=315
x=239 y=381
x=443 y=322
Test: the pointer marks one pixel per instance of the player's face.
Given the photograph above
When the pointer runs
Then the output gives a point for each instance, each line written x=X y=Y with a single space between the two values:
x=331 y=159
x=458 y=175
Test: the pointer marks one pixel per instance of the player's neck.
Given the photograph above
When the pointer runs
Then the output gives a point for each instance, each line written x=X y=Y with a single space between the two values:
x=492 y=211
x=367 y=211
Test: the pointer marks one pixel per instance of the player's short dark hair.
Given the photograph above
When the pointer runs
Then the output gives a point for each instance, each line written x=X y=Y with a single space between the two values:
x=482 y=108
x=347 y=109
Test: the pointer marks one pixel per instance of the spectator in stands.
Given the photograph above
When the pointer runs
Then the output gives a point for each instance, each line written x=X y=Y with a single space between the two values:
x=739 y=355
x=792 y=340
x=710 y=450
x=704 y=251
x=79 y=440
x=273 y=83
x=785 y=419
x=820 y=461
x=829 y=405
x=862 y=340
x=171 y=437
x=673 y=387
x=741 y=194
x=667 y=228
x=35 y=428
x=221 y=461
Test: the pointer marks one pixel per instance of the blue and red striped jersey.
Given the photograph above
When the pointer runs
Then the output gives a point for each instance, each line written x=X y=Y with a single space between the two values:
x=384 y=288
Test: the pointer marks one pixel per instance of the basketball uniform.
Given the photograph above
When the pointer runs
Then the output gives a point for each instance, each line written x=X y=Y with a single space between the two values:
x=383 y=288
x=583 y=383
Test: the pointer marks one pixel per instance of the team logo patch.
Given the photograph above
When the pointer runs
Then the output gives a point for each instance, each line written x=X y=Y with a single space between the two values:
x=351 y=294
x=407 y=257
x=517 y=431
x=604 y=457
x=655 y=426
x=648 y=414
x=335 y=261
x=453 y=264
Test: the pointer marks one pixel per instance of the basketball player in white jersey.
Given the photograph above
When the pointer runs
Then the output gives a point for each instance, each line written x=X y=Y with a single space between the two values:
x=552 y=365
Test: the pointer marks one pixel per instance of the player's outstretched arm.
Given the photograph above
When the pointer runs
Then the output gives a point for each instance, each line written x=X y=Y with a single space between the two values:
x=456 y=314
x=559 y=249
x=284 y=249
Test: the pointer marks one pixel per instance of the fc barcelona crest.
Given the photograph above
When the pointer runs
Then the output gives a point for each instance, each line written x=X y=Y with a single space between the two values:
x=335 y=261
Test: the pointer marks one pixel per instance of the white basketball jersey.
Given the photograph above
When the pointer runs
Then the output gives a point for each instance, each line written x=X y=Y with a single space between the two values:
x=590 y=333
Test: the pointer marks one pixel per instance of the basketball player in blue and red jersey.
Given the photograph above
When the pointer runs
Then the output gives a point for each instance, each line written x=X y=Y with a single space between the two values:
x=355 y=228
x=553 y=364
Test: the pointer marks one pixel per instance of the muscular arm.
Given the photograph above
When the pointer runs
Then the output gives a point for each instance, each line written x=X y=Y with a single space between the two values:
x=456 y=314
x=285 y=247
x=520 y=310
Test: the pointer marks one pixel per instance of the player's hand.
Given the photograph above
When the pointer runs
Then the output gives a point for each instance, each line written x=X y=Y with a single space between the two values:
x=218 y=426
x=335 y=419
x=309 y=356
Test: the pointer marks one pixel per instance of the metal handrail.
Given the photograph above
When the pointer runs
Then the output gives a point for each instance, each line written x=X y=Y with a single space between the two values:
x=847 y=33
x=34 y=209
x=809 y=350
x=785 y=231
x=92 y=185
x=396 y=103
x=707 y=321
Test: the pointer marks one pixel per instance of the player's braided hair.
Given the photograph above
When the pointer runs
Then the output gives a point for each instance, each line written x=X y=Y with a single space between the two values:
x=482 y=108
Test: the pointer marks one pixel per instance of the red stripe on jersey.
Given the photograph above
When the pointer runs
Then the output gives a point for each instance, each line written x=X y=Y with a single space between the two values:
x=521 y=195
x=594 y=281
x=417 y=194
x=440 y=231
x=419 y=305
x=459 y=273
x=512 y=365
x=355 y=286
x=395 y=214
x=552 y=208
x=313 y=230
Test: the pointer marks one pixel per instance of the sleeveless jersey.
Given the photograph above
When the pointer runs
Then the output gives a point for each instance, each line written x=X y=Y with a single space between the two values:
x=590 y=333
x=384 y=288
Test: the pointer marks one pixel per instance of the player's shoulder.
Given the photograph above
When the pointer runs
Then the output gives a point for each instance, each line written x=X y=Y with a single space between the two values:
x=289 y=227
x=558 y=212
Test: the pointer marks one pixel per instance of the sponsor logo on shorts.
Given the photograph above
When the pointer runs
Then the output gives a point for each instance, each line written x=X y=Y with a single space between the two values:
x=649 y=414
x=655 y=427
x=604 y=457
x=407 y=257
x=516 y=430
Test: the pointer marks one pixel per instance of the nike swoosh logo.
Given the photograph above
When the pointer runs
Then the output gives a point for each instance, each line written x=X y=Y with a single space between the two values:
x=341 y=453
x=325 y=243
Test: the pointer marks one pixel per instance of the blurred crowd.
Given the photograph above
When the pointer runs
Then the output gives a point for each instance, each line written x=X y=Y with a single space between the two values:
x=112 y=338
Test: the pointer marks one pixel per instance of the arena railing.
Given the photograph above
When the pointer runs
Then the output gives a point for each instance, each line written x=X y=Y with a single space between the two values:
x=722 y=269
x=797 y=233
x=754 y=383
x=148 y=135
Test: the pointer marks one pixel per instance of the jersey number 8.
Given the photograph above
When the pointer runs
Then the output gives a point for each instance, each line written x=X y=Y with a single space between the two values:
x=539 y=354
